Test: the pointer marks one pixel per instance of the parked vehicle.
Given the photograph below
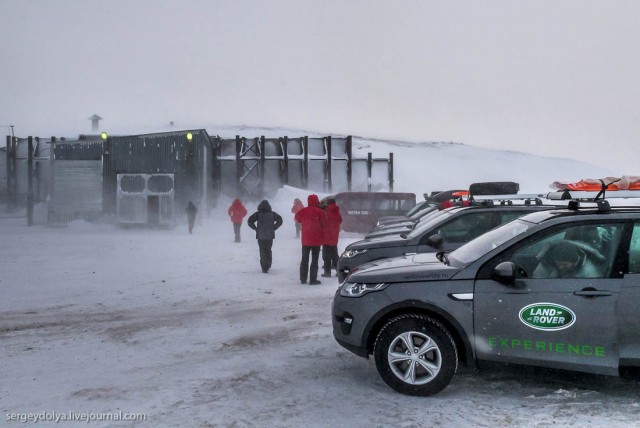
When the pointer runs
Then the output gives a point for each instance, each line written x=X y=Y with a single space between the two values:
x=445 y=230
x=556 y=288
x=361 y=210
x=444 y=200
x=405 y=227
x=430 y=201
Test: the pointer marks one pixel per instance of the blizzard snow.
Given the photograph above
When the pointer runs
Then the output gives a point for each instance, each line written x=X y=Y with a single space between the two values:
x=185 y=329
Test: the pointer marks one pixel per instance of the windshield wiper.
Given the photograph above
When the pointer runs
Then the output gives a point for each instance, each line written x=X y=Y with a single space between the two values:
x=403 y=235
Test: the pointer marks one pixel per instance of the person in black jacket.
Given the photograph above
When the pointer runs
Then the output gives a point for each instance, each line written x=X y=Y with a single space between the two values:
x=267 y=223
x=191 y=215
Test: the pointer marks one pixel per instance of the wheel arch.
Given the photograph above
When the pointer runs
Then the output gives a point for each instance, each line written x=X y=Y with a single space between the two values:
x=459 y=335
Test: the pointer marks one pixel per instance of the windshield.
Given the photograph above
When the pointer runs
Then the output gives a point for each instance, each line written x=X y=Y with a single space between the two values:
x=420 y=206
x=418 y=215
x=428 y=222
x=480 y=246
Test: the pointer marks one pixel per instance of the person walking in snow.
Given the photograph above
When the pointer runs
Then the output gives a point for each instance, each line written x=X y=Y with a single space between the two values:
x=297 y=206
x=265 y=222
x=191 y=215
x=330 y=242
x=237 y=211
x=313 y=220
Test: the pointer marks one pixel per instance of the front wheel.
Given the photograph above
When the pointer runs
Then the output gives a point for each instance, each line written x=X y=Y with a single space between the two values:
x=415 y=355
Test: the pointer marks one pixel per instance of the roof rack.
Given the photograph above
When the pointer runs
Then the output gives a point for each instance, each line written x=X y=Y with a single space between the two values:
x=526 y=199
x=586 y=195
x=575 y=198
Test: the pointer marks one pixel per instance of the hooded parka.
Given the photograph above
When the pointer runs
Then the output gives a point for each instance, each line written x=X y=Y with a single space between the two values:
x=332 y=229
x=313 y=220
x=237 y=211
x=267 y=221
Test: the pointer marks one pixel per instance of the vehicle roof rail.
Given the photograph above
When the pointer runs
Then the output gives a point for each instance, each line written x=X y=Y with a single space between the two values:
x=603 y=206
x=536 y=201
x=482 y=203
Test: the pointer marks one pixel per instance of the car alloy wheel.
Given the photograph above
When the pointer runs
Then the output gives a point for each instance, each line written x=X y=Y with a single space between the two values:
x=415 y=355
x=414 y=358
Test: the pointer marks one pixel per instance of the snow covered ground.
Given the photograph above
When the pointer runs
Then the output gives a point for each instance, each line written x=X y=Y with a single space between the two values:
x=98 y=321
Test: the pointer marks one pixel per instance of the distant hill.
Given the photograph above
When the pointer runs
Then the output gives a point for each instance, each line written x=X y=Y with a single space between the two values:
x=431 y=166
x=426 y=167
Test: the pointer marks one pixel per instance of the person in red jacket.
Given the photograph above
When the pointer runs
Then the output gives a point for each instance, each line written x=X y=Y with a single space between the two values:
x=313 y=221
x=331 y=233
x=297 y=206
x=237 y=211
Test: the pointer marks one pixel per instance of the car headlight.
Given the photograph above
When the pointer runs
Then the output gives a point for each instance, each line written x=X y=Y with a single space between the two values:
x=352 y=253
x=357 y=289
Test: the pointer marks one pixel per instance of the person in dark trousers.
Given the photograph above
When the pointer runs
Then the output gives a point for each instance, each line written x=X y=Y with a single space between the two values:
x=313 y=220
x=297 y=206
x=331 y=234
x=265 y=222
x=191 y=215
x=237 y=211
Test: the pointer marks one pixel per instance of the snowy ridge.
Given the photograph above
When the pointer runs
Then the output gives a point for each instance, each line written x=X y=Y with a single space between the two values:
x=422 y=167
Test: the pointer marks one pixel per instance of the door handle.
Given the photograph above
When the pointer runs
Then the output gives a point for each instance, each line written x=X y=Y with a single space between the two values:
x=593 y=293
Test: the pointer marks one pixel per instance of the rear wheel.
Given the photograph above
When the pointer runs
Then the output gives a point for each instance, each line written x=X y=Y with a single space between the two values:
x=415 y=355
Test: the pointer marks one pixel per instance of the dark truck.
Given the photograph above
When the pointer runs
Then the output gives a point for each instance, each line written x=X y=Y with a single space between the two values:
x=360 y=210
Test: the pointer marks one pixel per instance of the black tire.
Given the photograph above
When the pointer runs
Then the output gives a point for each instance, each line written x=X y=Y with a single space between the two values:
x=426 y=369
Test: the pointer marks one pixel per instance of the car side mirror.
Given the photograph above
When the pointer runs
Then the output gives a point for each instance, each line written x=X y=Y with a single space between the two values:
x=435 y=240
x=505 y=273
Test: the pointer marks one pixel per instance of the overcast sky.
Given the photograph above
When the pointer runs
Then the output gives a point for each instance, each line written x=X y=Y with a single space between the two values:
x=549 y=77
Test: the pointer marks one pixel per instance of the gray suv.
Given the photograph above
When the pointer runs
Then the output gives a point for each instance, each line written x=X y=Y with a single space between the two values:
x=443 y=230
x=557 y=288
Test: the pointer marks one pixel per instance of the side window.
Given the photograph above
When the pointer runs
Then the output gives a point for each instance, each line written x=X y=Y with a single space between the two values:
x=634 y=250
x=508 y=216
x=385 y=205
x=570 y=251
x=466 y=227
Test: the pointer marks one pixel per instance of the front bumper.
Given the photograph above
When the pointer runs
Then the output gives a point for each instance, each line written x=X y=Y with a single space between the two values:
x=352 y=317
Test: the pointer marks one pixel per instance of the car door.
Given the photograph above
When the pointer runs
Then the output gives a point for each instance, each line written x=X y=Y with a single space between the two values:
x=559 y=322
x=629 y=302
